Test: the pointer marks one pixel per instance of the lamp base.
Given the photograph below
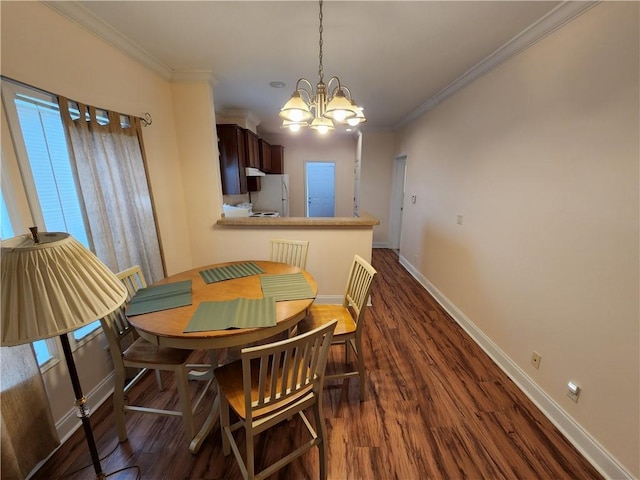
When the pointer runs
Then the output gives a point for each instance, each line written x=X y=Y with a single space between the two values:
x=82 y=410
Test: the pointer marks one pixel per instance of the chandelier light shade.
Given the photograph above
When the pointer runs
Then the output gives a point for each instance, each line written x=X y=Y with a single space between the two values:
x=51 y=285
x=321 y=109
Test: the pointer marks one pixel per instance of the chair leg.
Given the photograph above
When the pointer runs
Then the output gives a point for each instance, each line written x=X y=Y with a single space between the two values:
x=159 y=380
x=118 y=405
x=347 y=352
x=185 y=402
x=322 y=434
x=249 y=456
x=224 y=423
x=357 y=345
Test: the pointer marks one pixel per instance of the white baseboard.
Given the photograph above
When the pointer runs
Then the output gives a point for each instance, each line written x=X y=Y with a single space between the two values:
x=329 y=299
x=69 y=423
x=598 y=456
x=381 y=245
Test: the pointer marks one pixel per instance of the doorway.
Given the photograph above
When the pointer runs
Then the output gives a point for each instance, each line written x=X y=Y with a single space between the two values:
x=321 y=189
x=397 y=201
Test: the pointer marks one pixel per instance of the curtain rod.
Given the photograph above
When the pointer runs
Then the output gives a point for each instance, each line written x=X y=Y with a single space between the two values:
x=145 y=119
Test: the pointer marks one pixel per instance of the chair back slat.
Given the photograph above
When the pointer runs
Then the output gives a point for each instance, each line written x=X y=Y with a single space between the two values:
x=115 y=325
x=284 y=369
x=292 y=252
x=358 y=287
x=133 y=279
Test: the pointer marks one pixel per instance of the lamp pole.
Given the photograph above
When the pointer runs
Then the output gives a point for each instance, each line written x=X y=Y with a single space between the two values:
x=80 y=403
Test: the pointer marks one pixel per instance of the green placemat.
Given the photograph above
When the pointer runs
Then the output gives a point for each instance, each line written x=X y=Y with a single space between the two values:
x=238 y=313
x=287 y=286
x=160 y=297
x=229 y=272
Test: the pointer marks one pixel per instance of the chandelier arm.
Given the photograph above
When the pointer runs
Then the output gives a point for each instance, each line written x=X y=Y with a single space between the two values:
x=332 y=91
x=302 y=89
x=346 y=89
x=339 y=87
x=308 y=96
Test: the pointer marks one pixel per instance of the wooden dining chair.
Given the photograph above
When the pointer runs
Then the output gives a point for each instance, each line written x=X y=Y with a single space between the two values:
x=128 y=350
x=350 y=317
x=133 y=279
x=293 y=252
x=270 y=384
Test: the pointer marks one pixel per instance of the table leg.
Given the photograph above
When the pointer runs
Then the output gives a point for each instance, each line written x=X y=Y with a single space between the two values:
x=209 y=424
x=207 y=374
x=214 y=413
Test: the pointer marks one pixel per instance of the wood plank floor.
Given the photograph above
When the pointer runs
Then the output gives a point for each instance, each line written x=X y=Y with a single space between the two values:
x=436 y=408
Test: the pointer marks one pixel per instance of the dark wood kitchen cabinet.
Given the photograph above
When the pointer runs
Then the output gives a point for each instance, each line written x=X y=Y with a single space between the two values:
x=277 y=159
x=253 y=150
x=232 y=146
x=265 y=156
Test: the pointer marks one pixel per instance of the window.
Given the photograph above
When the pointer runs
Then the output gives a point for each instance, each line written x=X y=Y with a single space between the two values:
x=41 y=347
x=7 y=229
x=46 y=170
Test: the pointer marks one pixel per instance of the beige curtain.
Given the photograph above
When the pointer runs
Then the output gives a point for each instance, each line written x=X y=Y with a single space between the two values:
x=111 y=174
x=28 y=431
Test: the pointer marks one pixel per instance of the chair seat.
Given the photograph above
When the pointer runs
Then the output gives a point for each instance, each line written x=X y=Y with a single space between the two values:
x=142 y=351
x=230 y=383
x=319 y=315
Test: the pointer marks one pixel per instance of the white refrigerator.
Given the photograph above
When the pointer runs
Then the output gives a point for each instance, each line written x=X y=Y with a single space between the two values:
x=273 y=195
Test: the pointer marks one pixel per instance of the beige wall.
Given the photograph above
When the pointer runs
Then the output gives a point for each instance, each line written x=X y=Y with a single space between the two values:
x=375 y=180
x=541 y=157
x=308 y=147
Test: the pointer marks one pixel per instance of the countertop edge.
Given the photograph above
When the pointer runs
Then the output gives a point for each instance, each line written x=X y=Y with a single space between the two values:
x=363 y=220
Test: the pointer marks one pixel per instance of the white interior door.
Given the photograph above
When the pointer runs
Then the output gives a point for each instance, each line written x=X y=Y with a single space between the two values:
x=397 y=202
x=321 y=188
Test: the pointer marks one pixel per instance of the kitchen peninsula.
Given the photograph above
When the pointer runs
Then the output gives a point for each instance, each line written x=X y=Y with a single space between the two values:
x=333 y=241
x=362 y=220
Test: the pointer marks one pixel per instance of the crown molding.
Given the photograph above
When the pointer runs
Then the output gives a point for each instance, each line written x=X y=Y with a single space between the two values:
x=246 y=115
x=188 y=76
x=556 y=18
x=94 y=25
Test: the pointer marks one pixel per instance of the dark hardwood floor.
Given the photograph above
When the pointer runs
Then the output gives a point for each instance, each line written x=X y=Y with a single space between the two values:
x=436 y=408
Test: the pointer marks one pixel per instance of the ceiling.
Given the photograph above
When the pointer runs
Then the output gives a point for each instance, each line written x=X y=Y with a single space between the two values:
x=397 y=57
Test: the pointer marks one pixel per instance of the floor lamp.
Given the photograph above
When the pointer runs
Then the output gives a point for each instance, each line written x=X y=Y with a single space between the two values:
x=52 y=285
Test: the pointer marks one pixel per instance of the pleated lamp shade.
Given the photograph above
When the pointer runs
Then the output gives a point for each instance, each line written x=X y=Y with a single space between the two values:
x=53 y=287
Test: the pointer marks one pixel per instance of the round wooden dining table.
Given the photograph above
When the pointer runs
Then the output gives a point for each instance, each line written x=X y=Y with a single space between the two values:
x=167 y=327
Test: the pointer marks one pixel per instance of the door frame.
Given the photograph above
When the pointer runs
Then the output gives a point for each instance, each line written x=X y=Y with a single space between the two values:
x=397 y=201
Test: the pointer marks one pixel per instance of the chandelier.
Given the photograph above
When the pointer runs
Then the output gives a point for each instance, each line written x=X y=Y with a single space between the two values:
x=331 y=102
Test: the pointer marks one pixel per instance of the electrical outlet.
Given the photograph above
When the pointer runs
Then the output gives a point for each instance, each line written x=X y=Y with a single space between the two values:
x=536 y=358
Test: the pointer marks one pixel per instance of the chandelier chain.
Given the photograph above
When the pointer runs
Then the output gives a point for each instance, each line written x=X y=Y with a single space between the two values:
x=320 y=69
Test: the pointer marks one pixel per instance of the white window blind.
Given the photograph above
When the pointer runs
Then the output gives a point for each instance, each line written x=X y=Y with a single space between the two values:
x=46 y=172
x=46 y=148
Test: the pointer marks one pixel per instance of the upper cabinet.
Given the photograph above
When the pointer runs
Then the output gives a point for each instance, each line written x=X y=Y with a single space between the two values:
x=271 y=158
x=265 y=156
x=240 y=148
x=232 y=141
x=277 y=159
x=253 y=149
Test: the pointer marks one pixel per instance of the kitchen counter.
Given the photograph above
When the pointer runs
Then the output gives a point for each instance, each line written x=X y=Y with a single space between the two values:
x=363 y=220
